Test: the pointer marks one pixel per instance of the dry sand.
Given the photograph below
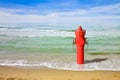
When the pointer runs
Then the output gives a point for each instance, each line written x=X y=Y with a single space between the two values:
x=12 y=73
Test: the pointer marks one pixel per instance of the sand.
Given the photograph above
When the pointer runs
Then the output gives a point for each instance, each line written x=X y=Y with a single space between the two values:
x=12 y=73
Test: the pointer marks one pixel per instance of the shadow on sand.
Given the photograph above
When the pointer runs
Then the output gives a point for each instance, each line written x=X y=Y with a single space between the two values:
x=95 y=60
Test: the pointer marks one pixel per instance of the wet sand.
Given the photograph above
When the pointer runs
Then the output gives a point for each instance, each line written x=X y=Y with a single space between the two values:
x=12 y=73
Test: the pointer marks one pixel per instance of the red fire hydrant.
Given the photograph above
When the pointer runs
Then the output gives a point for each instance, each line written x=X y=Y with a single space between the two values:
x=80 y=42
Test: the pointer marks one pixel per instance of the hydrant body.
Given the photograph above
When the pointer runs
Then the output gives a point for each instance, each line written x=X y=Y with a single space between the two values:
x=80 y=42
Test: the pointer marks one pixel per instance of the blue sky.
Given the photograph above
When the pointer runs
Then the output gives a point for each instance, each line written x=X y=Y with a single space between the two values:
x=86 y=12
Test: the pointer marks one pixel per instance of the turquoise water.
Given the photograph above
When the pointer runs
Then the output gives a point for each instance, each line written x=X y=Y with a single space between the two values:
x=58 y=45
x=49 y=45
x=52 y=39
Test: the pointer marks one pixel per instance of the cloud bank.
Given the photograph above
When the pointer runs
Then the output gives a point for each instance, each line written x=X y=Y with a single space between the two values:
x=98 y=15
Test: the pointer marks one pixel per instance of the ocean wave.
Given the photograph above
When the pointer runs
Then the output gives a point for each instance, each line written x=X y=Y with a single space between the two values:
x=35 y=33
x=41 y=30
x=112 y=64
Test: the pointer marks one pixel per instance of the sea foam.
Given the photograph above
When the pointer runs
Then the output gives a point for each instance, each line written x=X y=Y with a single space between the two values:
x=112 y=64
x=35 y=33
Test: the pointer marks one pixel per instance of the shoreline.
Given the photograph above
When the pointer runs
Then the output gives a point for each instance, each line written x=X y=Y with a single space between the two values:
x=66 y=62
x=13 y=73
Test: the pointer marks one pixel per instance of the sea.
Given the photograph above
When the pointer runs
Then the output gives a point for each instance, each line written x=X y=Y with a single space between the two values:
x=50 y=45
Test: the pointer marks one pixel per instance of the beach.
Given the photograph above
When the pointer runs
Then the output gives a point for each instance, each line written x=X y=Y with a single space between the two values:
x=12 y=73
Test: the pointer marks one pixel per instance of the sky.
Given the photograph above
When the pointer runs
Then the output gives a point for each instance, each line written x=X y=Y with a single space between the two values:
x=84 y=12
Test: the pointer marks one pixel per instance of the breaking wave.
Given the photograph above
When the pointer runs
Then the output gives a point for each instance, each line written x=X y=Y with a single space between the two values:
x=109 y=64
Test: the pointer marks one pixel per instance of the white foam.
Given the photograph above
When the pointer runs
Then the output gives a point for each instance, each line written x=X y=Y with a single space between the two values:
x=2 y=29
x=104 y=65
x=36 y=33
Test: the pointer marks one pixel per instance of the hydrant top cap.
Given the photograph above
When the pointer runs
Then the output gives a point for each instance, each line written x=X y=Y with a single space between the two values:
x=80 y=28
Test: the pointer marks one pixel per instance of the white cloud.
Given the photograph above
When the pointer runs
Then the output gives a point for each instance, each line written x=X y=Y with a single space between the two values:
x=101 y=15
x=109 y=9
x=101 y=10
